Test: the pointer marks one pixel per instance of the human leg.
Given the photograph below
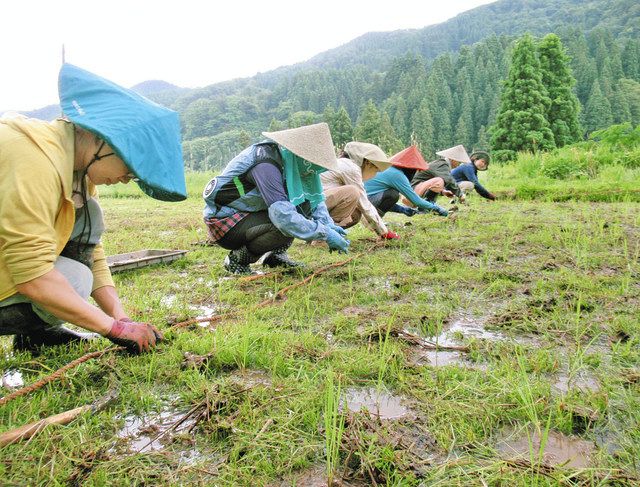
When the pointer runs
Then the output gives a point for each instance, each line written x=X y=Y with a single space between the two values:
x=342 y=203
x=384 y=200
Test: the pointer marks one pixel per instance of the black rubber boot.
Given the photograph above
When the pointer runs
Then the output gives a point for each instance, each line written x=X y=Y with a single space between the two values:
x=431 y=196
x=237 y=262
x=48 y=337
x=279 y=258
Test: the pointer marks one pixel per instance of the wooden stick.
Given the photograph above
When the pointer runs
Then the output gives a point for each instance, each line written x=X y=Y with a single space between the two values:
x=29 y=430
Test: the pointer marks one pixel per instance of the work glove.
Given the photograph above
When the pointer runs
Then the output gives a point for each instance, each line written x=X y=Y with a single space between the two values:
x=390 y=236
x=440 y=210
x=135 y=337
x=338 y=229
x=337 y=242
x=491 y=197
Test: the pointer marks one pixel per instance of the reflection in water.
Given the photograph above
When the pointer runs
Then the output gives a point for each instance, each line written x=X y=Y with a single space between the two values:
x=12 y=379
x=559 y=449
x=378 y=403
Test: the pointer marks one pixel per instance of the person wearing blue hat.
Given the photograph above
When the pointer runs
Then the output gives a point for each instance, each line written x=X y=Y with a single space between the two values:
x=51 y=258
x=270 y=194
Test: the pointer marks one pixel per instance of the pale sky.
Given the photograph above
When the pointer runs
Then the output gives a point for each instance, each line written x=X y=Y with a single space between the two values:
x=189 y=43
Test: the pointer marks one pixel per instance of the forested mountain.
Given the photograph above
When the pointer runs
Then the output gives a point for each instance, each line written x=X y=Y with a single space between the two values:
x=436 y=86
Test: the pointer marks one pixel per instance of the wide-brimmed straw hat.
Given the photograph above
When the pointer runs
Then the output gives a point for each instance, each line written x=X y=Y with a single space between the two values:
x=359 y=151
x=145 y=135
x=311 y=142
x=410 y=158
x=457 y=153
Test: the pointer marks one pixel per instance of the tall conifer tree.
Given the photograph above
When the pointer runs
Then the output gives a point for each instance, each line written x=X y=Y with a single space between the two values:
x=562 y=113
x=521 y=123
x=597 y=113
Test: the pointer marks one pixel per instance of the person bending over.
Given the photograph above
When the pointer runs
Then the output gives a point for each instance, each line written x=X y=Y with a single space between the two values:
x=51 y=258
x=384 y=189
x=466 y=175
x=347 y=200
x=270 y=194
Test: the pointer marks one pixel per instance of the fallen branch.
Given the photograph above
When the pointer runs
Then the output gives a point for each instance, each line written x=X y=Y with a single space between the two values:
x=29 y=430
x=55 y=375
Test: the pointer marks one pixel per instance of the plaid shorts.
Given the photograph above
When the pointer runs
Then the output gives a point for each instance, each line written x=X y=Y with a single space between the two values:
x=218 y=227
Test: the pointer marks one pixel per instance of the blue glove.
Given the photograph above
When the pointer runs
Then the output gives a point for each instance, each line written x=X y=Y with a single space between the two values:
x=337 y=228
x=440 y=210
x=336 y=242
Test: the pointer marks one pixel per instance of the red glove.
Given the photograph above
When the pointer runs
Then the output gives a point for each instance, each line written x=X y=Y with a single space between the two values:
x=390 y=236
x=136 y=337
x=491 y=196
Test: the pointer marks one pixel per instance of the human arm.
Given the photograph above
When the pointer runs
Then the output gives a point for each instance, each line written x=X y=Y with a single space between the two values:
x=400 y=182
x=471 y=176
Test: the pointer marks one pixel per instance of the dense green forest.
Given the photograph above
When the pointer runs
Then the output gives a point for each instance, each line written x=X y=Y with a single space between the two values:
x=437 y=86
x=450 y=100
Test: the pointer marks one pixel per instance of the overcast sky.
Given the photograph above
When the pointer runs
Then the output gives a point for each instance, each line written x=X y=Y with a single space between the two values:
x=189 y=43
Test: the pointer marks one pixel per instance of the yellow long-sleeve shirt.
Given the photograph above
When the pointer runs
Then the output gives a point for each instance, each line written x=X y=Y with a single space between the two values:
x=36 y=210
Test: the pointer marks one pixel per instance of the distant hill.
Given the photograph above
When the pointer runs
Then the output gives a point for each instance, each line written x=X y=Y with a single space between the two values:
x=50 y=112
x=154 y=86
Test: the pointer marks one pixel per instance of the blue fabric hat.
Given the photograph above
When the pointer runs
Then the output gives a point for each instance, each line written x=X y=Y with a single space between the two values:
x=145 y=135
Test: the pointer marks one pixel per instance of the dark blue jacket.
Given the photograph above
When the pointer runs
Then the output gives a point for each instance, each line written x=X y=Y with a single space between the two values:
x=469 y=172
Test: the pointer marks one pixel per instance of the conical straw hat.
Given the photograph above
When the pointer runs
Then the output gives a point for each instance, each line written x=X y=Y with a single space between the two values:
x=311 y=142
x=457 y=153
x=358 y=151
x=410 y=158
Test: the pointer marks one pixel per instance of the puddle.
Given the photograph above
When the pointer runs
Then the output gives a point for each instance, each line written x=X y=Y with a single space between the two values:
x=141 y=432
x=378 y=403
x=249 y=378
x=559 y=449
x=168 y=300
x=467 y=326
x=581 y=381
x=204 y=311
x=378 y=283
x=12 y=379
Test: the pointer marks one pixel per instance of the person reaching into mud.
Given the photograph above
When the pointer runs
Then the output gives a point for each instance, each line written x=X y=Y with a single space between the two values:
x=437 y=180
x=466 y=175
x=384 y=189
x=270 y=194
x=347 y=200
x=51 y=258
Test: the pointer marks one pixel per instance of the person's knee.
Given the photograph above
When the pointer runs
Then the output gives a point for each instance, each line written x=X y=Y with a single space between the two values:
x=79 y=275
x=351 y=193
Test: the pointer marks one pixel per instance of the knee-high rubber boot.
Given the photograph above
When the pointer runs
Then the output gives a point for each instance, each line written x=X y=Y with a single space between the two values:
x=279 y=258
x=237 y=262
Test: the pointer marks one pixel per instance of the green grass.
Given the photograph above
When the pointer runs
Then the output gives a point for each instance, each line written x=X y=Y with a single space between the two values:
x=557 y=281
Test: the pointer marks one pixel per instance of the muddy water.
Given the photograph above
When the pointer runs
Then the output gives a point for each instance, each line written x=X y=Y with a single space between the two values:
x=582 y=381
x=379 y=403
x=468 y=327
x=250 y=378
x=204 y=311
x=141 y=432
x=559 y=449
x=12 y=379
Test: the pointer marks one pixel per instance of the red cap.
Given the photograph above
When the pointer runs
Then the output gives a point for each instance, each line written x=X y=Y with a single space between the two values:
x=409 y=158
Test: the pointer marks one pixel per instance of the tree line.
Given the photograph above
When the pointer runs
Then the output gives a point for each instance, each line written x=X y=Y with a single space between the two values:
x=454 y=99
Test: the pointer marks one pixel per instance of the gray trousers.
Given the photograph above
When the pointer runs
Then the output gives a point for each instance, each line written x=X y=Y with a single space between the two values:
x=78 y=275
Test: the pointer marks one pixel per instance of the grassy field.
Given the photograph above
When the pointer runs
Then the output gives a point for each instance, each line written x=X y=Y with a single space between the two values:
x=535 y=303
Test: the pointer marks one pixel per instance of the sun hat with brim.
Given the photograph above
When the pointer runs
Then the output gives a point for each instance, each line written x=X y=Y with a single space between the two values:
x=457 y=153
x=145 y=135
x=359 y=151
x=312 y=143
x=409 y=158
x=481 y=154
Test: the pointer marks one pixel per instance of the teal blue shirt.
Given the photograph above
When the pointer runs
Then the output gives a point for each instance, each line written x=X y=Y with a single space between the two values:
x=394 y=178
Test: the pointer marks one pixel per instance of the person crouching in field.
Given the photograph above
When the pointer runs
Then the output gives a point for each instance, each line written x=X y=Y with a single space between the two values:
x=347 y=200
x=466 y=175
x=270 y=194
x=51 y=258
x=384 y=189
x=437 y=179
